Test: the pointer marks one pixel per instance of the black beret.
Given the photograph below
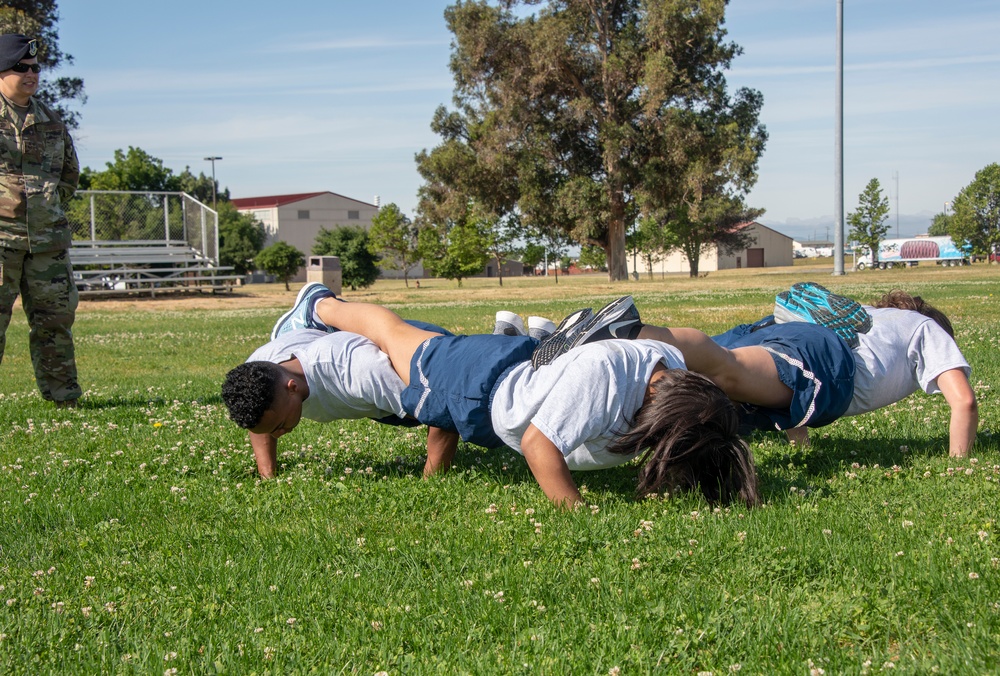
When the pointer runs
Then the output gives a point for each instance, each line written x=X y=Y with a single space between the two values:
x=14 y=47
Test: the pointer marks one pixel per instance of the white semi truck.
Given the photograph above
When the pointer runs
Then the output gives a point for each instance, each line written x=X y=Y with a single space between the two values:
x=910 y=251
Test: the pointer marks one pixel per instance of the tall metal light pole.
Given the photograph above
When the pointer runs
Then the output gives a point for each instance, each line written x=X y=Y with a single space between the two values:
x=212 y=160
x=838 y=142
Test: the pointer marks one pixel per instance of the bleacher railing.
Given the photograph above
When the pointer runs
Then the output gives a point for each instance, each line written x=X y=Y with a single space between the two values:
x=125 y=215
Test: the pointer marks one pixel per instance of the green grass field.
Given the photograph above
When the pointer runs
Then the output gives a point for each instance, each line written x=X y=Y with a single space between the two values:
x=135 y=536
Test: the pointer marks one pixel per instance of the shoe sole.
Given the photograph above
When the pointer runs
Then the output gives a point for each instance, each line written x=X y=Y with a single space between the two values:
x=557 y=344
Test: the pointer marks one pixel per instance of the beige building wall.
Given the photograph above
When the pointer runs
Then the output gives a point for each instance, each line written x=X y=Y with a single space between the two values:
x=298 y=223
x=769 y=249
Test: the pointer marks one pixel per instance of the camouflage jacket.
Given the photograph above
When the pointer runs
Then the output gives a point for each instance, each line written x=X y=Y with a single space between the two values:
x=39 y=172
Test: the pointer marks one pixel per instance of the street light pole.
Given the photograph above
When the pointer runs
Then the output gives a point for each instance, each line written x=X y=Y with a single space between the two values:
x=212 y=160
x=838 y=143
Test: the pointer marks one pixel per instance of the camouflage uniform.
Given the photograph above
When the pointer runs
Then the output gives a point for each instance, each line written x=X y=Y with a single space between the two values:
x=39 y=172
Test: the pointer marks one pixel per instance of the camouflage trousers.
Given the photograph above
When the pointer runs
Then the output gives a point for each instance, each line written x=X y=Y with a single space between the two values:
x=49 y=296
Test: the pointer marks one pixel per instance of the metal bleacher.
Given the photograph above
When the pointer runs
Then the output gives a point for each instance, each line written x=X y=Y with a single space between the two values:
x=109 y=267
x=128 y=243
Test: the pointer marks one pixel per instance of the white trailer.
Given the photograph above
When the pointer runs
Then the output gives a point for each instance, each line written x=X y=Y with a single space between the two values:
x=910 y=251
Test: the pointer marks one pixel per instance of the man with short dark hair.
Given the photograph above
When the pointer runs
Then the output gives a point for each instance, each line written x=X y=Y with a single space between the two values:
x=39 y=172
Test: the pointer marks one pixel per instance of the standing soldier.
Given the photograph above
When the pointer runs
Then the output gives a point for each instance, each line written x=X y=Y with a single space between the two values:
x=39 y=172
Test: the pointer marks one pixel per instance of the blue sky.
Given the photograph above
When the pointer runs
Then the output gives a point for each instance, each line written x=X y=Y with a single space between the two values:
x=310 y=95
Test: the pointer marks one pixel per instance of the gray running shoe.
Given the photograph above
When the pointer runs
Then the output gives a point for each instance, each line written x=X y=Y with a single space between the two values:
x=558 y=343
x=508 y=324
x=540 y=328
x=301 y=316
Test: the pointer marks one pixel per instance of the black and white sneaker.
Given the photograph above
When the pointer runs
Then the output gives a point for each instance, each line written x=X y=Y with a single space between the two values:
x=559 y=342
x=617 y=319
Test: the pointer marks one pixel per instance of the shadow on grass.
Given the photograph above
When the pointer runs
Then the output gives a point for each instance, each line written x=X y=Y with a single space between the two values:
x=825 y=458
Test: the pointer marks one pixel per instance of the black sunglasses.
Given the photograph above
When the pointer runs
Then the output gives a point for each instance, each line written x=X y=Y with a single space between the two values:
x=25 y=67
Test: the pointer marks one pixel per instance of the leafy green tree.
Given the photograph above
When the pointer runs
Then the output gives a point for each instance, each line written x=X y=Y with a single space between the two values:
x=645 y=241
x=241 y=237
x=122 y=216
x=694 y=228
x=694 y=190
x=358 y=265
x=500 y=238
x=132 y=170
x=555 y=242
x=393 y=236
x=532 y=254
x=977 y=212
x=453 y=251
x=593 y=257
x=940 y=225
x=38 y=19
x=282 y=260
x=566 y=104
x=868 y=222
x=199 y=187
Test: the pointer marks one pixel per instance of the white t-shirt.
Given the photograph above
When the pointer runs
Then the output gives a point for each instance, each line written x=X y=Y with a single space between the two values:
x=581 y=401
x=348 y=376
x=904 y=351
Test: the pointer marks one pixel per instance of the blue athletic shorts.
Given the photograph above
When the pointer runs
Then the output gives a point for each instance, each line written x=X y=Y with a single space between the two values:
x=452 y=378
x=812 y=360
x=410 y=422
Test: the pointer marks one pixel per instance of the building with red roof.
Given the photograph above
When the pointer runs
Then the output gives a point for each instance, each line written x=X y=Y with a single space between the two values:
x=297 y=219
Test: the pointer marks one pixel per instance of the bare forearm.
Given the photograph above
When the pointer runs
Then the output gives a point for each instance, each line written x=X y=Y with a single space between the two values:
x=549 y=468
x=265 y=452
x=441 y=447
x=962 y=431
x=957 y=391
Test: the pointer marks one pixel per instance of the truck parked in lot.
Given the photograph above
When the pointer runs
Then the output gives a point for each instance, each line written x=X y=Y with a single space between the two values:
x=910 y=251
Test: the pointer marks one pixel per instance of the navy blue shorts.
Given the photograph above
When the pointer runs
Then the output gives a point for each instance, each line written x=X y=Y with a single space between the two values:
x=410 y=422
x=452 y=378
x=812 y=360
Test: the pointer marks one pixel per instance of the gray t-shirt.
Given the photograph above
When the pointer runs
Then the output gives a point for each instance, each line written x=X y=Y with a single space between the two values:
x=348 y=376
x=904 y=351
x=582 y=401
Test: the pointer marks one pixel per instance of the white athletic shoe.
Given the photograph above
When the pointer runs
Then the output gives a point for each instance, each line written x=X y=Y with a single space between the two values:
x=508 y=324
x=540 y=327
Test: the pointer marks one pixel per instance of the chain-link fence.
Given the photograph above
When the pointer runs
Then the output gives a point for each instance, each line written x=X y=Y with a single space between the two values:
x=126 y=216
